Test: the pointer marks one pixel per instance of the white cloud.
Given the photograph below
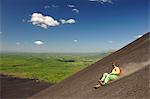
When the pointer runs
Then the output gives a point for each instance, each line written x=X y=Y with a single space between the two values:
x=69 y=21
x=75 y=41
x=50 y=6
x=46 y=6
x=75 y=10
x=71 y=6
x=138 y=36
x=43 y=25
x=63 y=21
x=110 y=42
x=17 y=43
x=43 y=21
x=54 y=6
x=39 y=42
x=23 y=20
x=102 y=1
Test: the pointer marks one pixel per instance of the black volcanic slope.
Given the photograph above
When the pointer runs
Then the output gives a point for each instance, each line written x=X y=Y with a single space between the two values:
x=134 y=83
x=18 y=88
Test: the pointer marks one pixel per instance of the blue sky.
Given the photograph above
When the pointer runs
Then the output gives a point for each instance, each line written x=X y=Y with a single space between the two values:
x=71 y=25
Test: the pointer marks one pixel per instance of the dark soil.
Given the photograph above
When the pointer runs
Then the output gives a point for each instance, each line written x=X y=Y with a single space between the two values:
x=16 y=88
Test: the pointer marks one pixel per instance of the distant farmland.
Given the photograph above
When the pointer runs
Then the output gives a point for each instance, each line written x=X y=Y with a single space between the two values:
x=48 y=67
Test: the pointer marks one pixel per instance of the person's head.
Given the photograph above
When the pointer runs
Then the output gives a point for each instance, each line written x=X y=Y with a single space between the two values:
x=115 y=64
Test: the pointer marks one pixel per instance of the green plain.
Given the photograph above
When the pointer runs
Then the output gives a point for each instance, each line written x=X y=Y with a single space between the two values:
x=48 y=67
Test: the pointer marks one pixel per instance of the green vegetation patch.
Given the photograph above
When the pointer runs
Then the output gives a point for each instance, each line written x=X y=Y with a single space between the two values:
x=51 y=68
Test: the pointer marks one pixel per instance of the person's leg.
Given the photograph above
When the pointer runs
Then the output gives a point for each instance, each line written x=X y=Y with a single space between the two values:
x=104 y=76
x=109 y=78
x=113 y=77
x=106 y=79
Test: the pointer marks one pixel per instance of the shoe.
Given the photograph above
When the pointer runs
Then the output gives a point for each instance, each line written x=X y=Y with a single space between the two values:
x=97 y=86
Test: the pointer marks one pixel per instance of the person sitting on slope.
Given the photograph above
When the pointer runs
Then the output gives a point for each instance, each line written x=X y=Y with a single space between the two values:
x=115 y=73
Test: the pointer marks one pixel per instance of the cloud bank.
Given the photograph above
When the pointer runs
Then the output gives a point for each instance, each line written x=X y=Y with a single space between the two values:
x=43 y=21
x=38 y=19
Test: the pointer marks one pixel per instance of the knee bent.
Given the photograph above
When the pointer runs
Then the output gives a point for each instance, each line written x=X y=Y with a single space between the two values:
x=105 y=74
